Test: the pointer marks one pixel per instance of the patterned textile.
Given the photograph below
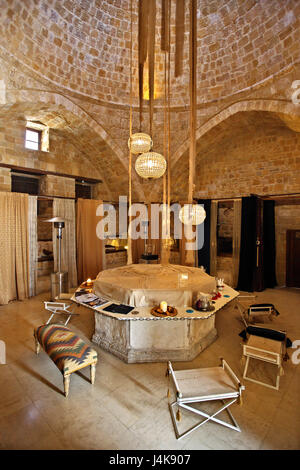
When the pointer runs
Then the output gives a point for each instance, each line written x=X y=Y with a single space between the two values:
x=33 y=244
x=68 y=352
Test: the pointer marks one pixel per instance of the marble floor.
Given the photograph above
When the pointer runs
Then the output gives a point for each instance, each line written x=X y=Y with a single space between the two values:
x=127 y=408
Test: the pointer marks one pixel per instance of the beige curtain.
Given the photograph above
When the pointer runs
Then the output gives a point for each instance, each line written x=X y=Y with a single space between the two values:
x=236 y=240
x=65 y=208
x=89 y=247
x=14 y=247
x=213 y=237
x=33 y=244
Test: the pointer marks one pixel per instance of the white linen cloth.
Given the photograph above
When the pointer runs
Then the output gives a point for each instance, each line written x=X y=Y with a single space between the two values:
x=142 y=285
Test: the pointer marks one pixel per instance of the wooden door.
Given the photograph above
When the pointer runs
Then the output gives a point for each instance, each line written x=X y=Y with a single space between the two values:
x=258 y=279
x=293 y=258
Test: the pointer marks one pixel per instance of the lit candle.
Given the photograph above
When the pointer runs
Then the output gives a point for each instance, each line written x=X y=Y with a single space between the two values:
x=89 y=282
x=164 y=306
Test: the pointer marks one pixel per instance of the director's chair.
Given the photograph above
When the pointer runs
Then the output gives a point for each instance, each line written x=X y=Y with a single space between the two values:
x=266 y=350
x=60 y=308
x=253 y=312
x=202 y=385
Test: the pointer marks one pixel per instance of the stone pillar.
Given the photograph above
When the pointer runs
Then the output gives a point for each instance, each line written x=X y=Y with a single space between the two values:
x=55 y=185
x=97 y=191
x=5 y=179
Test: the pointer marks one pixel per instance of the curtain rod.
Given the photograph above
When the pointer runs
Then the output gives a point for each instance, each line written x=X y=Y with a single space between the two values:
x=223 y=198
x=46 y=172
x=228 y=199
x=50 y=198
x=257 y=195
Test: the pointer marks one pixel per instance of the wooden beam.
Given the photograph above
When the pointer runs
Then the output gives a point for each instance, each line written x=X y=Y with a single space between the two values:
x=179 y=40
x=193 y=95
x=45 y=172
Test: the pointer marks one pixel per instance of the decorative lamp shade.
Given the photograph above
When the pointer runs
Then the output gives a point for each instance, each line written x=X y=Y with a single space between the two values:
x=192 y=214
x=139 y=143
x=150 y=165
x=55 y=219
x=58 y=222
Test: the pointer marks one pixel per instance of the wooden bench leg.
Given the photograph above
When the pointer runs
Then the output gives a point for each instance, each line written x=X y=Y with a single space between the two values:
x=93 y=373
x=67 y=384
x=37 y=346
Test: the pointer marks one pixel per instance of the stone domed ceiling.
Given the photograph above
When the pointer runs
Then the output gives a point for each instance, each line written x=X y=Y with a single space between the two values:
x=84 y=45
x=67 y=62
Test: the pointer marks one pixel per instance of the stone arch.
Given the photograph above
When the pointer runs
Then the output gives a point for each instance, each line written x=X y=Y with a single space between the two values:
x=280 y=107
x=60 y=101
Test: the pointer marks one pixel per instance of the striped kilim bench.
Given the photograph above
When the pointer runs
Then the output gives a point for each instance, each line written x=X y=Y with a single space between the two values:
x=68 y=352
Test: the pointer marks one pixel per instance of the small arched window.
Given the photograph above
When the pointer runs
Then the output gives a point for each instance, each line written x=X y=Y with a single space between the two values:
x=37 y=136
x=33 y=139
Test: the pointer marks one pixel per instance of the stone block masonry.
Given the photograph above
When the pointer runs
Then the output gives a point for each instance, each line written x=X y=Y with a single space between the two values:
x=5 y=179
x=53 y=185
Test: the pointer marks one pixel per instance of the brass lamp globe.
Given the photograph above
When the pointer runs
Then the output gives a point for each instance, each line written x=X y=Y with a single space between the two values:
x=150 y=165
x=140 y=143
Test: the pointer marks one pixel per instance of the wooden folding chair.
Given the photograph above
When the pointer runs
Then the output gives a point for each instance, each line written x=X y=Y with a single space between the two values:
x=202 y=385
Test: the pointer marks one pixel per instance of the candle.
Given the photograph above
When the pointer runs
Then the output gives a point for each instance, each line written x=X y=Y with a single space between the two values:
x=164 y=306
x=89 y=282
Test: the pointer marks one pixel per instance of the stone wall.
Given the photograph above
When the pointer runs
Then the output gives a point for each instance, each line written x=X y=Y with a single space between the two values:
x=225 y=220
x=225 y=269
x=115 y=260
x=44 y=229
x=262 y=161
x=53 y=185
x=67 y=64
x=84 y=47
x=5 y=179
x=64 y=155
